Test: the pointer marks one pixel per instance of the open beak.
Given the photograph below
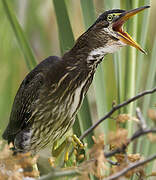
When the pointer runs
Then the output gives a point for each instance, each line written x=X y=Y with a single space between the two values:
x=118 y=23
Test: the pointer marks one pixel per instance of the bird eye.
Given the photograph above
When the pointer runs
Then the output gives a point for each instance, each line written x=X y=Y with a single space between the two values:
x=110 y=17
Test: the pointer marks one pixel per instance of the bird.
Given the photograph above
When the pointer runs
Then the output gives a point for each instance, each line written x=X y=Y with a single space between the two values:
x=50 y=96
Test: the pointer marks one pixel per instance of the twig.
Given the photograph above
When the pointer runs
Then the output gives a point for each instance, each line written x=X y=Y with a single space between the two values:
x=141 y=133
x=136 y=135
x=68 y=172
x=142 y=123
x=130 y=167
x=60 y=173
x=143 y=130
x=115 y=108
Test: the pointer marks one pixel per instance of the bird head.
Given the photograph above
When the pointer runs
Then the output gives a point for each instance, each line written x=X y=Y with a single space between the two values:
x=107 y=32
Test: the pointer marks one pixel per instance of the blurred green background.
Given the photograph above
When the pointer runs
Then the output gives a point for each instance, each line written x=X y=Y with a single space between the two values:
x=51 y=26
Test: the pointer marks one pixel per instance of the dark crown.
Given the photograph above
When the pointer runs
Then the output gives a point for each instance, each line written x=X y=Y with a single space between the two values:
x=103 y=16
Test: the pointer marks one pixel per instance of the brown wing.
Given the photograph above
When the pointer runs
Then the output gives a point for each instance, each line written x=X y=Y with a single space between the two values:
x=27 y=94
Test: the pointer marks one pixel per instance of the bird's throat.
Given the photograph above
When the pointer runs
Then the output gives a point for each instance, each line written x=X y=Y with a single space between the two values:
x=96 y=54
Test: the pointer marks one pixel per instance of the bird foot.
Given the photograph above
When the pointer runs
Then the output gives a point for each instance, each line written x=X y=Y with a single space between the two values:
x=65 y=146
x=77 y=142
x=79 y=148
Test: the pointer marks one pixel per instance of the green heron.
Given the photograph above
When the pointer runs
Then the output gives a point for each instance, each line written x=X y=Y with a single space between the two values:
x=51 y=94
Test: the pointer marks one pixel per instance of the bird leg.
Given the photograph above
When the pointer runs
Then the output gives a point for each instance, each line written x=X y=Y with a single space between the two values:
x=79 y=149
x=76 y=141
x=56 y=151
x=65 y=146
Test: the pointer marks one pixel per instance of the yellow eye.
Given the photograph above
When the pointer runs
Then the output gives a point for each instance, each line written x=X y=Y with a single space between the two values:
x=110 y=17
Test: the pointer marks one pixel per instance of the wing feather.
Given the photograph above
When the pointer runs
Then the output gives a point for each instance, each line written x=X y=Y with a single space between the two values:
x=27 y=94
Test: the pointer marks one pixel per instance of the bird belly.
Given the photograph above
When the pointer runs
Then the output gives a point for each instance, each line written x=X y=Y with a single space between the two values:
x=52 y=121
x=77 y=99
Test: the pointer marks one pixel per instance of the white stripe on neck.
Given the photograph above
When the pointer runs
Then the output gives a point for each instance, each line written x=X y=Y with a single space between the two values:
x=98 y=53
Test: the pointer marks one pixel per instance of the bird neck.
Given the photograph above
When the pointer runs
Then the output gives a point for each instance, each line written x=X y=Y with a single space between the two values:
x=87 y=52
